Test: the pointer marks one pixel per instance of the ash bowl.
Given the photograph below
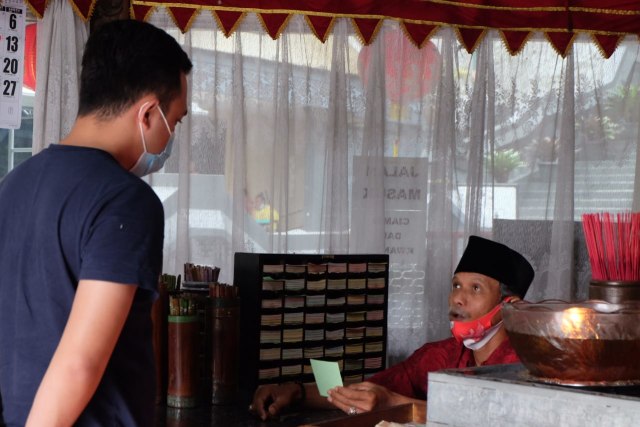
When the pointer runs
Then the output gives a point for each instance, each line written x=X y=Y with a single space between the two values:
x=586 y=343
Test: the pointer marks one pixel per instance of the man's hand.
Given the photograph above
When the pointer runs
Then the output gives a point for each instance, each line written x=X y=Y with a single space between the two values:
x=270 y=400
x=364 y=397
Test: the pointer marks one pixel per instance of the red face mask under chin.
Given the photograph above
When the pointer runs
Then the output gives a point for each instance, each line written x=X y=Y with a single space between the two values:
x=476 y=329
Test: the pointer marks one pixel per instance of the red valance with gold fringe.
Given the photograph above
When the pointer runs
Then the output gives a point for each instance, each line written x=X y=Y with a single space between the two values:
x=560 y=20
x=83 y=8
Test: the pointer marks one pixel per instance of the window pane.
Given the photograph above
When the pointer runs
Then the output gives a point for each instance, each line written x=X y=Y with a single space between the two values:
x=20 y=157
x=4 y=152
x=23 y=137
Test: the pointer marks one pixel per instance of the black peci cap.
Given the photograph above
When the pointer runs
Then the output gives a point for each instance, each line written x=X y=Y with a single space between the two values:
x=497 y=261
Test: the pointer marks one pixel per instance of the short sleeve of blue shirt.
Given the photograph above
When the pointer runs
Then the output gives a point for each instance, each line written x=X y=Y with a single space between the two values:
x=123 y=244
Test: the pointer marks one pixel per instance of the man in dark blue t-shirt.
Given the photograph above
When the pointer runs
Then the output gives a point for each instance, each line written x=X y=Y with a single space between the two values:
x=82 y=240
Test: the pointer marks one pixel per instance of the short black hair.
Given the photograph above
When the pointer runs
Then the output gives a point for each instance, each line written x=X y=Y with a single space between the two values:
x=126 y=59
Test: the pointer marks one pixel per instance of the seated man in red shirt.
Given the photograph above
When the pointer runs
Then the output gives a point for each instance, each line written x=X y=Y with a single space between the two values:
x=488 y=275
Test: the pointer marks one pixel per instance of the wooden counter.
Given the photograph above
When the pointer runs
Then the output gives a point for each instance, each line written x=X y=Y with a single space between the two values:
x=408 y=413
x=233 y=415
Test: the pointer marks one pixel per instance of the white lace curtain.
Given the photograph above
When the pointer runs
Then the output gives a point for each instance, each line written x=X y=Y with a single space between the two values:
x=61 y=38
x=368 y=159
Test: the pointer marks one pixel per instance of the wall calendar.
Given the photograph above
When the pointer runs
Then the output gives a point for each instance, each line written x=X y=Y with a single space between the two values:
x=12 y=25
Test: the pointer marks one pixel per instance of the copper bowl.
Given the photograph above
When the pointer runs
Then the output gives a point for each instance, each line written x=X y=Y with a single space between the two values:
x=586 y=343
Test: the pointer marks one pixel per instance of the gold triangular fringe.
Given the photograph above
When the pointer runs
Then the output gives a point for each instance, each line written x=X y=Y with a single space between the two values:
x=235 y=25
x=326 y=34
x=280 y=29
x=503 y=37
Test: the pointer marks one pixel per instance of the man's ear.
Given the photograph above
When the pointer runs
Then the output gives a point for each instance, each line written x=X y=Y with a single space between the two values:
x=145 y=106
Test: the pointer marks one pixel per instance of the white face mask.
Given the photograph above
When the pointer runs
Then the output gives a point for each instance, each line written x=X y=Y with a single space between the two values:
x=149 y=162
x=472 y=344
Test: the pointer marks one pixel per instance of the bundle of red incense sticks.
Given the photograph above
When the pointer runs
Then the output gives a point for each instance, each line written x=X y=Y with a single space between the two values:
x=613 y=244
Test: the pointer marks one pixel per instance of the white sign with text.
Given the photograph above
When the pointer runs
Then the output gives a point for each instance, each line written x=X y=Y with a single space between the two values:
x=405 y=203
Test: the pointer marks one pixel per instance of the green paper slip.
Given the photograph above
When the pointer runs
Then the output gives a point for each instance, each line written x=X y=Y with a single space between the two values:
x=327 y=375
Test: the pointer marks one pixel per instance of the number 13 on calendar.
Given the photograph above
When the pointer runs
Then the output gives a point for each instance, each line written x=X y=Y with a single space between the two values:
x=12 y=24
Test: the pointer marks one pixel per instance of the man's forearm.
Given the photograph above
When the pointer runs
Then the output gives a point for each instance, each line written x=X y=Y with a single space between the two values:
x=64 y=393
x=98 y=313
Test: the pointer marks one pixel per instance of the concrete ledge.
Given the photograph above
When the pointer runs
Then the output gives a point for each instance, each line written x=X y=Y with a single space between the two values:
x=459 y=398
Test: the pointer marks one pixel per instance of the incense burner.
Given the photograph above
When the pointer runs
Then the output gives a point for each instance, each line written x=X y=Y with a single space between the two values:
x=588 y=343
x=614 y=291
